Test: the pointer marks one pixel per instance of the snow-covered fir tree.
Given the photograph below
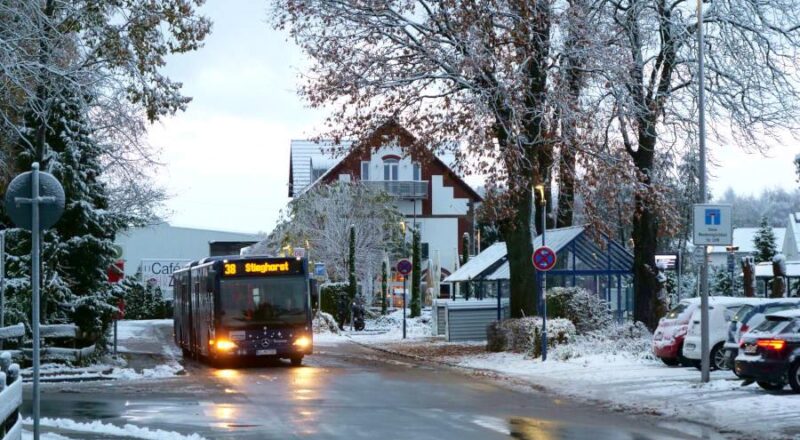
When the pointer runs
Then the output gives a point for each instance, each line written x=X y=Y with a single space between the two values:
x=77 y=251
x=765 y=242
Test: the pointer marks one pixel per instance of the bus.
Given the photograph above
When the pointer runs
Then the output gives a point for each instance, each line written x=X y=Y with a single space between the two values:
x=235 y=307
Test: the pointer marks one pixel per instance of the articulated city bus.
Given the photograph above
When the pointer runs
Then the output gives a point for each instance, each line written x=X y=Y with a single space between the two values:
x=229 y=308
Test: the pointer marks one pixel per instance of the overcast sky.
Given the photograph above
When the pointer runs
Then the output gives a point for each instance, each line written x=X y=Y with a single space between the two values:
x=227 y=157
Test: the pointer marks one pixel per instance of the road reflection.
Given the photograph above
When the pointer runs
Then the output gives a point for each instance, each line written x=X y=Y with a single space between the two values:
x=305 y=388
x=525 y=428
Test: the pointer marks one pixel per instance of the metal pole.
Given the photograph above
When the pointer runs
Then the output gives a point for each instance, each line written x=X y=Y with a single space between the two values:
x=115 y=336
x=404 y=306
x=704 y=339
x=35 y=256
x=680 y=271
x=544 y=283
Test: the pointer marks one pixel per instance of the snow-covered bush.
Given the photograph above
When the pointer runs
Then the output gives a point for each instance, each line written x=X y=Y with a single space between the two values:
x=324 y=323
x=524 y=335
x=627 y=340
x=583 y=308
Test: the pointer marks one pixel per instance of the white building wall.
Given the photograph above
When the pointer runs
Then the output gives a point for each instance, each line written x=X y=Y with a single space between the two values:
x=441 y=234
x=790 y=243
x=443 y=202
x=163 y=241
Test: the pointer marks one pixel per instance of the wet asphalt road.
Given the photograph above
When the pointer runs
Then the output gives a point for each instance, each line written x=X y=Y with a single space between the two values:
x=347 y=392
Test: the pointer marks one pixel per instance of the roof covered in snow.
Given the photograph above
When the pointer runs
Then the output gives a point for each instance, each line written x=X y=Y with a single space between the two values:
x=479 y=263
x=764 y=270
x=794 y=223
x=743 y=238
x=492 y=264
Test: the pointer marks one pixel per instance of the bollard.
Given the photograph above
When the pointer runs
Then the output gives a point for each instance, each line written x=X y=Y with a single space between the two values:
x=5 y=360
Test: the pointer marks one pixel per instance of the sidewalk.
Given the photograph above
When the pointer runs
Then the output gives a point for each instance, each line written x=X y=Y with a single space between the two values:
x=626 y=382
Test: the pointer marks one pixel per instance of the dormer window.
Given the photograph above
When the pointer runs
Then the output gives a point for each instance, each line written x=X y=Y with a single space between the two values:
x=390 y=169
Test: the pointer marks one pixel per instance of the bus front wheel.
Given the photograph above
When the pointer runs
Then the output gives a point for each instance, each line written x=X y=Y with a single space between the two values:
x=296 y=360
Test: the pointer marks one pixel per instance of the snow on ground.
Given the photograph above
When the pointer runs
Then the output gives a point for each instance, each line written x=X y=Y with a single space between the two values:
x=624 y=375
x=68 y=427
x=389 y=328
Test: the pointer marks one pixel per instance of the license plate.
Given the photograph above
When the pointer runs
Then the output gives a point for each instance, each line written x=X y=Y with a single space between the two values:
x=267 y=352
x=750 y=349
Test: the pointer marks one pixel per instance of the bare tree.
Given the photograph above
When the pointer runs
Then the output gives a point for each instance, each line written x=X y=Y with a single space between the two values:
x=752 y=66
x=321 y=219
x=474 y=74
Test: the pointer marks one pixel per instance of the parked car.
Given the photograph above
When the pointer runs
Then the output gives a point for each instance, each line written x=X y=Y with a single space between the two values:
x=770 y=353
x=668 y=337
x=751 y=316
x=720 y=311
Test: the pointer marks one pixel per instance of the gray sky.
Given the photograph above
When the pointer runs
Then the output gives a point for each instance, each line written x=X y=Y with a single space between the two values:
x=227 y=157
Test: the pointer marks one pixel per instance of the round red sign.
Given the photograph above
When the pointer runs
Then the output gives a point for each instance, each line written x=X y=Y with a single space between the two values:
x=404 y=266
x=543 y=258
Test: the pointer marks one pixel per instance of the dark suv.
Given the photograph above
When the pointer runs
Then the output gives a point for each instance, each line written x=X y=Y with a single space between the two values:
x=770 y=353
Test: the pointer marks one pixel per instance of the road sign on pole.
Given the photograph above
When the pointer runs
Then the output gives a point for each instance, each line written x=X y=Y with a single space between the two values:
x=712 y=225
x=404 y=267
x=45 y=195
x=544 y=259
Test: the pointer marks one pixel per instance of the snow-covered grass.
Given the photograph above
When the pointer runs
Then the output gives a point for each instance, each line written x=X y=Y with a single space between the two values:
x=107 y=429
x=620 y=372
x=389 y=328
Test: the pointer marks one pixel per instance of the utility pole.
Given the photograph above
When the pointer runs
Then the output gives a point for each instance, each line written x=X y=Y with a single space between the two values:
x=705 y=375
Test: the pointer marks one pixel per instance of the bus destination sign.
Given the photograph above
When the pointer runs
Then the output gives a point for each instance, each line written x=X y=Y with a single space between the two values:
x=249 y=268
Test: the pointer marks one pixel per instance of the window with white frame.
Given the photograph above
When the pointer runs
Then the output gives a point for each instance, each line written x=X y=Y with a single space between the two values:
x=417 y=172
x=364 y=170
x=390 y=169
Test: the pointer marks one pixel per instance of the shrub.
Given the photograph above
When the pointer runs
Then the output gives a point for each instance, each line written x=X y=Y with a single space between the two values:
x=524 y=335
x=583 y=308
x=144 y=302
x=334 y=299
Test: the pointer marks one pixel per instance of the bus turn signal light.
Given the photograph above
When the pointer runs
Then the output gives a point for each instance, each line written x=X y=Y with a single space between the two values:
x=302 y=342
x=225 y=345
x=772 y=344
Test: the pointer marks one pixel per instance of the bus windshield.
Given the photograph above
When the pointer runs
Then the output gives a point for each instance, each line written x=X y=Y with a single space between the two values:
x=248 y=302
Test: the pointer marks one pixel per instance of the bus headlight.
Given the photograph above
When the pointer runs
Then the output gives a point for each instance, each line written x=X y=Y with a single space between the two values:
x=225 y=345
x=302 y=342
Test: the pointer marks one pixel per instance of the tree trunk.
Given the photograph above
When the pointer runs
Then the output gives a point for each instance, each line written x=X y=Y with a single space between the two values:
x=519 y=244
x=566 y=189
x=647 y=308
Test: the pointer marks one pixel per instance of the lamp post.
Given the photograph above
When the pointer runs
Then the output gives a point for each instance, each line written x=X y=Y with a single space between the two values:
x=540 y=188
x=705 y=364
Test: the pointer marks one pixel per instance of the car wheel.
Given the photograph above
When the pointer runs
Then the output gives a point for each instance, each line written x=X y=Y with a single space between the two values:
x=670 y=361
x=717 y=358
x=771 y=386
x=794 y=377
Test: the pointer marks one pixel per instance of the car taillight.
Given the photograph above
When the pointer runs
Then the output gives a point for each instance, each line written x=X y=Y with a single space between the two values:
x=744 y=329
x=772 y=344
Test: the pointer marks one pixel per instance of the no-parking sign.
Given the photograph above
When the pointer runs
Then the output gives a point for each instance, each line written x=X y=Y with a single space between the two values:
x=544 y=258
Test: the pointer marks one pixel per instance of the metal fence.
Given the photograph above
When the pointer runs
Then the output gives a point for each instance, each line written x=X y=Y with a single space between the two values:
x=404 y=189
x=10 y=399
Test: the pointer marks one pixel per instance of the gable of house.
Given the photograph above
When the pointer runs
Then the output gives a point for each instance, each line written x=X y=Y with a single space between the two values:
x=791 y=243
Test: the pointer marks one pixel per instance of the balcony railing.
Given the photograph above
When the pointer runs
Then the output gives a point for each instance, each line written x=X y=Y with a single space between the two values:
x=403 y=189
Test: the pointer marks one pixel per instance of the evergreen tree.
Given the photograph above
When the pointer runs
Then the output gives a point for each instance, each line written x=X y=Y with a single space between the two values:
x=764 y=241
x=384 y=286
x=77 y=251
x=351 y=264
x=416 y=275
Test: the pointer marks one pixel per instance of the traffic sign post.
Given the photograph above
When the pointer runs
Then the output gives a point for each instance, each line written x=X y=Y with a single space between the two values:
x=544 y=259
x=711 y=226
x=45 y=195
x=404 y=267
